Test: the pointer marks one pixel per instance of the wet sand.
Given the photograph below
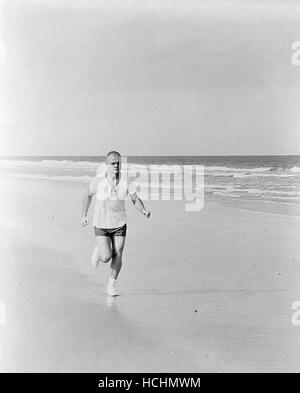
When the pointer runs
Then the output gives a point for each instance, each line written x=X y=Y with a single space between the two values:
x=206 y=291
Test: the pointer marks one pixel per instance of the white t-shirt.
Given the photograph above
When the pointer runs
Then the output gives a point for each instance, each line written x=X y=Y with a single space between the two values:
x=110 y=203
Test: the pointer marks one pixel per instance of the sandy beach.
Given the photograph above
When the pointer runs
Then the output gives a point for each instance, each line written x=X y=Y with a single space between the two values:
x=207 y=291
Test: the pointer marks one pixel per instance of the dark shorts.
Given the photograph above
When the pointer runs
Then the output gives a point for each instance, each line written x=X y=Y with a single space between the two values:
x=110 y=232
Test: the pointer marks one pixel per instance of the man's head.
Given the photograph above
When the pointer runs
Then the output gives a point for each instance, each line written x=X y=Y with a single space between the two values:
x=113 y=162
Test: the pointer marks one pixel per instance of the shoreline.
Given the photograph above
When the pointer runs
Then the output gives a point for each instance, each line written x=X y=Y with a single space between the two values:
x=268 y=206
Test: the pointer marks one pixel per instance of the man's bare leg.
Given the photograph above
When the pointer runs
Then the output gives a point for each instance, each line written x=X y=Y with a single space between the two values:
x=118 y=243
x=102 y=251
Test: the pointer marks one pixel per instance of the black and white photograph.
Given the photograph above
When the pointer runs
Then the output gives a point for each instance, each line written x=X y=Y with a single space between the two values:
x=149 y=187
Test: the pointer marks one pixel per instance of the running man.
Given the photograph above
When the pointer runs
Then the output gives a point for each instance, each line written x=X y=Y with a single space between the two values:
x=111 y=189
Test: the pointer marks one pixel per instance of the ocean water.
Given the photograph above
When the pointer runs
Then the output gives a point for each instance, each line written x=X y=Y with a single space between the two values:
x=264 y=178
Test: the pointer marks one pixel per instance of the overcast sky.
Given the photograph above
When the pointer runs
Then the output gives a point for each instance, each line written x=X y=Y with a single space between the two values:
x=149 y=77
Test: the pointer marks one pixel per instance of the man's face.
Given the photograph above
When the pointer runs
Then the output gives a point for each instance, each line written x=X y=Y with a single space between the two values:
x=113 y=164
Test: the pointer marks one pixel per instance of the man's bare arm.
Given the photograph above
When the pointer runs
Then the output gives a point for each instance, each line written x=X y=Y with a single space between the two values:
x=86 y=203
x=138 y=204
